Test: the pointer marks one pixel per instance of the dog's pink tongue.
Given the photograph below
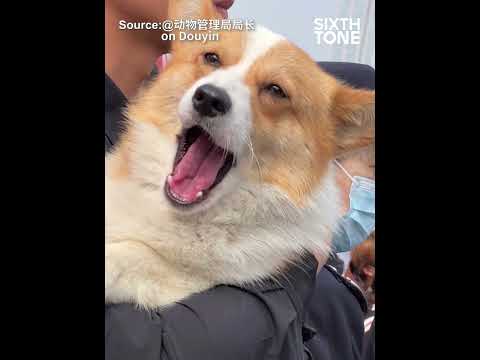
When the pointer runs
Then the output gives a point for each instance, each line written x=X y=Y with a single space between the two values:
x=197 y=170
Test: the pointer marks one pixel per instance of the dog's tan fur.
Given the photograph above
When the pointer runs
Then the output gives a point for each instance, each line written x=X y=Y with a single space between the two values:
x=280 y=202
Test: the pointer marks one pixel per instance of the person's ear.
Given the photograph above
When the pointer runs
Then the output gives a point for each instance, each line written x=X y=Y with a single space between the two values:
x=354 y=114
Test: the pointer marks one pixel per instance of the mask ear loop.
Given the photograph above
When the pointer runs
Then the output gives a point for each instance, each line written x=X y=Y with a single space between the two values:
x=345 y=171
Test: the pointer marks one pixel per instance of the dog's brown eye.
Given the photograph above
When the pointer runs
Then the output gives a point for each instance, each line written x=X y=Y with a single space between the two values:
x=276 y=91
x=212 y=59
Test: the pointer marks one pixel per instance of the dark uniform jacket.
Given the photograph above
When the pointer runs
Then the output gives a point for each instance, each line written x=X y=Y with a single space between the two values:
x=336 y=311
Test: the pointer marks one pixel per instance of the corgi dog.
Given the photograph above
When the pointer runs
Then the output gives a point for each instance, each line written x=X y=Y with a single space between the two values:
x=225 y=172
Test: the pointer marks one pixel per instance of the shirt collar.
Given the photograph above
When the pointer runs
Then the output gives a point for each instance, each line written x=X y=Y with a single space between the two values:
x=115 y=101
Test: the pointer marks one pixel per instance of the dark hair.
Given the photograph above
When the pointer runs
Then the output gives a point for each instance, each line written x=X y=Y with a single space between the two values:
x=361 y=256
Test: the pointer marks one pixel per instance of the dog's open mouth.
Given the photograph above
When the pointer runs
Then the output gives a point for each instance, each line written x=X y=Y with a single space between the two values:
x=199 y=166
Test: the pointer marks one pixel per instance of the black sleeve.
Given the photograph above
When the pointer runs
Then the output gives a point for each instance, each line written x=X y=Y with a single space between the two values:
x=369 y=344
x=223 y=323
x=132 y=334
x=336 y=313
x=226 y=322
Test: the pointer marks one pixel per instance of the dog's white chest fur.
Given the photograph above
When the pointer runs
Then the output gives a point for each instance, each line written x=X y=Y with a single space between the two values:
x=154 y=256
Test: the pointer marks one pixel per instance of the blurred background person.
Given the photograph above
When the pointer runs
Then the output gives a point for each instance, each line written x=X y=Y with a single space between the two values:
x=361 y=270
x=356 y=180
x=338 y=303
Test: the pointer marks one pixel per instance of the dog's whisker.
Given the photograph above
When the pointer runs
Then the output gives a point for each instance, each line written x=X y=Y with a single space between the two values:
x=225 y=149
x=248 y=141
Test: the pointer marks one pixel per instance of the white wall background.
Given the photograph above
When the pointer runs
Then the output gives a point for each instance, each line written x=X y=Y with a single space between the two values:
x=294 y=20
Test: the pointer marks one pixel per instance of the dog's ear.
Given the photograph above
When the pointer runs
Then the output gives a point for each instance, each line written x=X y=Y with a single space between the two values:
x=354 y=114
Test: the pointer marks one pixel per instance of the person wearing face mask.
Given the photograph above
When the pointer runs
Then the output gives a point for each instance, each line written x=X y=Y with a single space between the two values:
x=338 y=306
x=359 y=221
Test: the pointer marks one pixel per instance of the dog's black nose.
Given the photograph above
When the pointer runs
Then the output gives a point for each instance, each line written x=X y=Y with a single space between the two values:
x=211 y=101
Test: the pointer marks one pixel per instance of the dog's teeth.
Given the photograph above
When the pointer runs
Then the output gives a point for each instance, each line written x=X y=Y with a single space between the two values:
x=199 y=194
x=169 y=179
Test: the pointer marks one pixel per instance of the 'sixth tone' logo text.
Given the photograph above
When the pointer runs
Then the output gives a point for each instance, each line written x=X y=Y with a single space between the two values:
x=340 y=31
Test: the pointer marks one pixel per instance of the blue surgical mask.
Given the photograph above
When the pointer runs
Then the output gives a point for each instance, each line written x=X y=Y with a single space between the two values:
x=359 y=222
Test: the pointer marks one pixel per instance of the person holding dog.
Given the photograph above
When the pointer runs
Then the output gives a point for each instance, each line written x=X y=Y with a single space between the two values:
x=225 y=322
